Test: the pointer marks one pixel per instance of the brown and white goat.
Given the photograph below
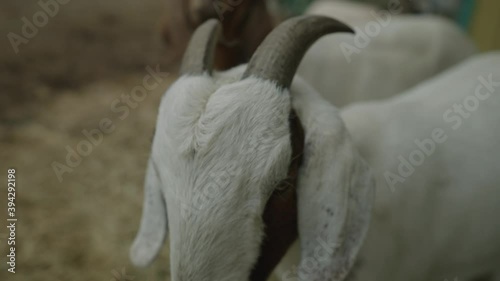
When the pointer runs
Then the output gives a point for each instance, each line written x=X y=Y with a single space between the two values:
x=245 y=25
x=236 y=175
x=234 y=181
x=343 y=68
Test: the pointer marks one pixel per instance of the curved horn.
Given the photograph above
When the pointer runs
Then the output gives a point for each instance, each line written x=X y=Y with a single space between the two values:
x=278 y=57
x=199 y=55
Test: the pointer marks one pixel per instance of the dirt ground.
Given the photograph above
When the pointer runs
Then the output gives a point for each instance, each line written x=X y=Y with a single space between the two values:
x=63 y=81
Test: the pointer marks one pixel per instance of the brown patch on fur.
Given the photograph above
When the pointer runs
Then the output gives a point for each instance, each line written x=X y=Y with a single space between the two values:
x=244 y=28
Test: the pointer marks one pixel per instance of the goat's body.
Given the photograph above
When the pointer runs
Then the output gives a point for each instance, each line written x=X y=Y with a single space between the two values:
x=408 y=50
x=225 y=164
x=441 y=220
x=345 y=11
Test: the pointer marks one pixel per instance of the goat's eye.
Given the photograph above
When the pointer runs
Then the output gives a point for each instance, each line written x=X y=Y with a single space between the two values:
x=283 y=185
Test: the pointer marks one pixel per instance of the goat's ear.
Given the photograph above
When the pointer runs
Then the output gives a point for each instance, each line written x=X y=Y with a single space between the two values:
x=154 y=226
x=335 y=192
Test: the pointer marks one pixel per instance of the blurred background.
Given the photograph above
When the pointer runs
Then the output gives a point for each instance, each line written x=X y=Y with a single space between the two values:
x=67 y=65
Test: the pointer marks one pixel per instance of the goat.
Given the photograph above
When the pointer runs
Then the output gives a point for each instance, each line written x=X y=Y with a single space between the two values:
x=408 y=49
x=236 y=135
x=245 y=23
x=345 y=6
x=432 y=150
x=280 y=164
x=346 y=11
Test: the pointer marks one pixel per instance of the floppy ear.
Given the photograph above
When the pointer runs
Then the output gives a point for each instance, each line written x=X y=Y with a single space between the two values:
x=335 y=191
x=197 y=60
x=154 y=226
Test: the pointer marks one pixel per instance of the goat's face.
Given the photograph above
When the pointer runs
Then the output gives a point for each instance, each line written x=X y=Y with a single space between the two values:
x=225 y=163
x=246 y=23
x=220 y=151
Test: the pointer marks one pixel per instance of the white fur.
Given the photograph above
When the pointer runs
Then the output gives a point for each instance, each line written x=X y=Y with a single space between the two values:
x=154 y=223
x=408 y=50
x=442 y=221
x=335 y=191
x=232 y=138
x=219 y=151
x=345 y=11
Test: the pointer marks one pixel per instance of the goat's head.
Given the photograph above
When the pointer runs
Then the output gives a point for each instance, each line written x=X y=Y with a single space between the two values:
x=245 y=22
x=226 y=166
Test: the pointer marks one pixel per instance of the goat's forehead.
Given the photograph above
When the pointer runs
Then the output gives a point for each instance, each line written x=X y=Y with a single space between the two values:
x=195 y=107
x=231 y=137
x=220 y=148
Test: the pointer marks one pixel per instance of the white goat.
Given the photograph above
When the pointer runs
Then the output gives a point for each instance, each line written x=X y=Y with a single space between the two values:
x=349 y=12
x=390 y=53
x=407 y=50
x=228 y=136
x=433 y=151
